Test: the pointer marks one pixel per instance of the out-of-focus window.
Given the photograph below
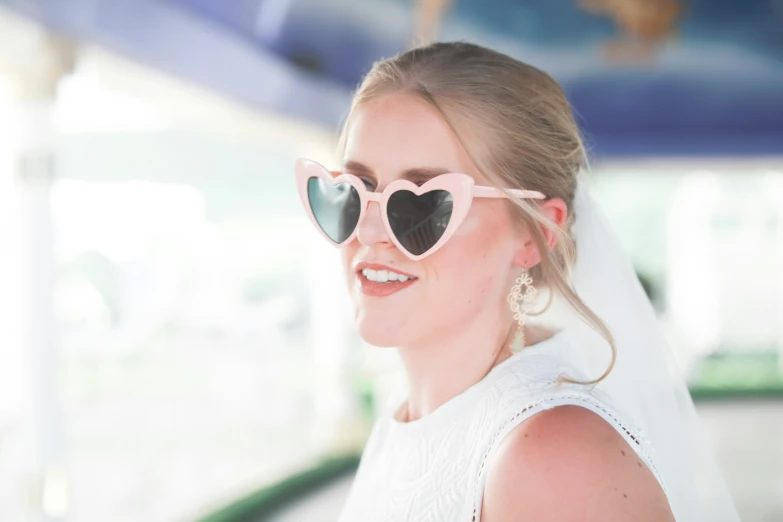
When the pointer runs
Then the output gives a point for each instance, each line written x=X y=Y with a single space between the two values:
x=706 y=239
x=201 y=325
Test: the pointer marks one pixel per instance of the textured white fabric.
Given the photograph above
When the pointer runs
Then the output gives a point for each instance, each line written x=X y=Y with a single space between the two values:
x=433 y=469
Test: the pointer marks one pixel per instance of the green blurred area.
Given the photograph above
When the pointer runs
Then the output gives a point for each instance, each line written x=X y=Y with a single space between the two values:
x=265 y=503
x=731 y=374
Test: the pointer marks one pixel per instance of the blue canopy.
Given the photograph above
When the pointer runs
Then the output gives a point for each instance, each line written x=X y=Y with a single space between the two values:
x=714 y=88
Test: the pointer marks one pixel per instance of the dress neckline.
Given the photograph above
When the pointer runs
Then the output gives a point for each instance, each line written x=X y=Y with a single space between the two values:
x=462 y=401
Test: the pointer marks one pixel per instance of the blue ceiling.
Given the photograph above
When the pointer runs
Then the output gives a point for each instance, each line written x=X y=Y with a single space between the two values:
x=714 y=88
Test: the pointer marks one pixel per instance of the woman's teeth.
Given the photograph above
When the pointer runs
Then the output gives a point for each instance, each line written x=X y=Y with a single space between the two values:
x=384 y=276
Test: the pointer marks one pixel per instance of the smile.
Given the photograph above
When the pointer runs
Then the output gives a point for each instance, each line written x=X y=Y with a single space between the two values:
x=384 y=276
x=382 y=283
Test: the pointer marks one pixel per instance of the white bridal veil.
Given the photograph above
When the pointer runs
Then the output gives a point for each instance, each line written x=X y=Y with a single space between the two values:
x=645 y=382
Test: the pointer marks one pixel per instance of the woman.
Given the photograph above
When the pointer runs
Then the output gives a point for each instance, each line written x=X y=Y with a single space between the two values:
x=456 y=211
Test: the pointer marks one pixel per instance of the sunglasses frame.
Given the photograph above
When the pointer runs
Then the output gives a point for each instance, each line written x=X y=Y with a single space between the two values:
x=462 y=188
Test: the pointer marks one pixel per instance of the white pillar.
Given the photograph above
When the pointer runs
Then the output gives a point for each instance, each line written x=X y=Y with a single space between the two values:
x=329 y=345
x=32 y=85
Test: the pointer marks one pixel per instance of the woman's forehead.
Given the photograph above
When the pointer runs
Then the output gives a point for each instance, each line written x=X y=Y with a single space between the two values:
x=396 y=134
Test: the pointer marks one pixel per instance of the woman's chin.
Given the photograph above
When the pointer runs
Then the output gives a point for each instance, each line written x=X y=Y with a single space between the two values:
x=379 y=340
x=381 y=335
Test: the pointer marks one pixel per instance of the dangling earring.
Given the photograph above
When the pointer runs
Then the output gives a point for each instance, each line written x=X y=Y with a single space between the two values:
x=515 y=297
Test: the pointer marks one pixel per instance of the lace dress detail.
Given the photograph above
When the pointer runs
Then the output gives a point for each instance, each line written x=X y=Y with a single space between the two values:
x=434 y=469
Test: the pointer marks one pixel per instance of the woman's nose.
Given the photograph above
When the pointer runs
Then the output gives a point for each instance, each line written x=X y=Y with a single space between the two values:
x=370 y=229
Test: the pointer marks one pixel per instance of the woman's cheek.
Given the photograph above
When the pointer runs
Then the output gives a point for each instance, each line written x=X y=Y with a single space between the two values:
x=477 y=237
x=470 y=225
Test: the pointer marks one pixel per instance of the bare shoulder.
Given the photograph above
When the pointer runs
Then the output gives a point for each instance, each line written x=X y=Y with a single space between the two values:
x=569 y=464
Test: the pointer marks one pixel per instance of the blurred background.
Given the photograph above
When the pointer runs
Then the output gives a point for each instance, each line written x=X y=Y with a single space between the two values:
x=175 y=341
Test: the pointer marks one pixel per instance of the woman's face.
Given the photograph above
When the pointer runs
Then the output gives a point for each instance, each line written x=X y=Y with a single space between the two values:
x=392 y=138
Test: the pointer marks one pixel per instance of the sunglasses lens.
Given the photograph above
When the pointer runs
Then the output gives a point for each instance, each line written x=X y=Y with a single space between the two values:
x=419 y=222
x=336 y=207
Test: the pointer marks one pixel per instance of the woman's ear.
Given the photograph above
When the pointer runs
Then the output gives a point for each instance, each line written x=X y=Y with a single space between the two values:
x=528 y=255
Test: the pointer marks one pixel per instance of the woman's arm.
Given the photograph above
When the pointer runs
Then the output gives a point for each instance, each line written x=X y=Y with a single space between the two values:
x=568 y=464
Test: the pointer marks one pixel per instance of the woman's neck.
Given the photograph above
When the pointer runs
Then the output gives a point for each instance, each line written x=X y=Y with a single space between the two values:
x=439 y=370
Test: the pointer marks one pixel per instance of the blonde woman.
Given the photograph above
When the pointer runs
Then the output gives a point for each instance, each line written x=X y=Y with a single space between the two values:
x=458 y=210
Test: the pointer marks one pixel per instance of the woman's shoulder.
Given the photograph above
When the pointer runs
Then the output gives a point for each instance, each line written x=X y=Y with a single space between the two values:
x=563 y=440
x=568 y=463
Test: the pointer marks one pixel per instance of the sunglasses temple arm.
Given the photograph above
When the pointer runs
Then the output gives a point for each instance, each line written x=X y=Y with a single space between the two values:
x=492 y=192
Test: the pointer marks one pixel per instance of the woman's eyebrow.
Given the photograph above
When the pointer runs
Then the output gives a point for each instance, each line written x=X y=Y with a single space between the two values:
x=355 y=166
x=414 y=174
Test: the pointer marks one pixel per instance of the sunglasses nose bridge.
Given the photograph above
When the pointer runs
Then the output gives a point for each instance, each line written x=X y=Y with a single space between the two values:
x=371 y=228
x=373 y=206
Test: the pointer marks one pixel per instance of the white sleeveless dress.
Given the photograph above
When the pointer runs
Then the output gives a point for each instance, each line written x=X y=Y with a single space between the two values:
x=433 y=469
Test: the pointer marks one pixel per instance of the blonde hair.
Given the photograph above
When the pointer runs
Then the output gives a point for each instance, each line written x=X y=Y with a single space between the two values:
x=517 y=126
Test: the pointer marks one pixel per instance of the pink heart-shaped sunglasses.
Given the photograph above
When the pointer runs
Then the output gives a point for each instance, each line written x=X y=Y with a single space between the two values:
x=418 y=219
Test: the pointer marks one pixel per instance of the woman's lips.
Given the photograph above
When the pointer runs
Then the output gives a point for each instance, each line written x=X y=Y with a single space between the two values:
x=373 y=289
x=358 y=267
